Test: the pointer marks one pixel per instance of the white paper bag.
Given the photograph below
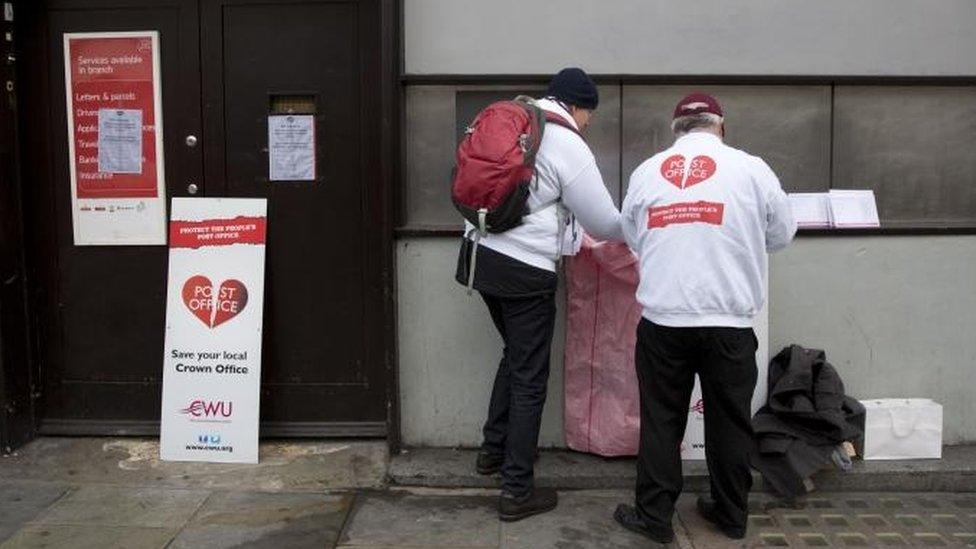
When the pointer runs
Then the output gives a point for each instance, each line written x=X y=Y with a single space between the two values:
x=902 y=428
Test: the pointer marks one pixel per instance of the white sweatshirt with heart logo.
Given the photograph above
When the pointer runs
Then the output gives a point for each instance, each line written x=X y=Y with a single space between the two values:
x=702 y=233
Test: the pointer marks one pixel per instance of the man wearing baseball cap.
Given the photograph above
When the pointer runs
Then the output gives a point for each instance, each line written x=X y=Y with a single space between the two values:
x=701 y=216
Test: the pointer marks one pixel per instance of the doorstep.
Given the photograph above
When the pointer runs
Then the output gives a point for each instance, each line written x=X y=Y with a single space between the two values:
x=568 y=470
x=284 y=466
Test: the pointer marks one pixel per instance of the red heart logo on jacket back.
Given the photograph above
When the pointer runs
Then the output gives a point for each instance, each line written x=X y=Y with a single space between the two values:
x=214 y=309
x=673 y=169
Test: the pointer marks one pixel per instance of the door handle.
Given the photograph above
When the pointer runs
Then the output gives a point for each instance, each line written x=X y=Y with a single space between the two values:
x=191 y=141
x=192 y=188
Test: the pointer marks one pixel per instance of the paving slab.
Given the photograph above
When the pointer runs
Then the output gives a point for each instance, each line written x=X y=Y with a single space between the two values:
x=55 y=536
x=564 y=469
x=883 y=519
x=701 y=533
x=399 y=520
x=100 y=505
x=261 y=519
x=582 y=520
x=287 y=466
x=21 y=502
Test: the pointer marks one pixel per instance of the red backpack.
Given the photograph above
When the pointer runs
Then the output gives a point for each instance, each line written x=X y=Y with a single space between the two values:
x=495 y=163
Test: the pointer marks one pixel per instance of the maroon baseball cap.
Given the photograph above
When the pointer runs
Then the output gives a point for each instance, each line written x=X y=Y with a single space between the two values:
x=697 y=103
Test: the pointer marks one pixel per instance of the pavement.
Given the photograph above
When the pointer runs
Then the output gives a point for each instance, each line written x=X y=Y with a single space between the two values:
x=63 y=492
x=447 y=468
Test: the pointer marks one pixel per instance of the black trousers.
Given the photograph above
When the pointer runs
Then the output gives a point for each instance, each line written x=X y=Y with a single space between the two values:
x=667 y=360
x=515 y=412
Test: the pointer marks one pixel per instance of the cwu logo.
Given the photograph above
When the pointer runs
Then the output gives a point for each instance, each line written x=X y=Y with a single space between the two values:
x=204 y=408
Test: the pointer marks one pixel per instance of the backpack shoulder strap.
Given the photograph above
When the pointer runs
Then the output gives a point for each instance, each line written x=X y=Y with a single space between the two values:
x=547 y=115
x=554 y=118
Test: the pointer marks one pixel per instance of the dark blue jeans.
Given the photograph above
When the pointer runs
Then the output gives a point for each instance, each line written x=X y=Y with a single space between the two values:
x=515 y=412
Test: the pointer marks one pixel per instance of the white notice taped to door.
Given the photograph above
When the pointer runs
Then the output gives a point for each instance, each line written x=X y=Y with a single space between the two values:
x=291 y=147
x=120 y=141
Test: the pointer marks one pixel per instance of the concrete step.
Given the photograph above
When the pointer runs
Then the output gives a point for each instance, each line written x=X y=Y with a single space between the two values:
x=285 y=465
x=568 y=470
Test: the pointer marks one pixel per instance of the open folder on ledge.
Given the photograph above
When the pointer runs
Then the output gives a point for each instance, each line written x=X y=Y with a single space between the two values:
x=840 y=209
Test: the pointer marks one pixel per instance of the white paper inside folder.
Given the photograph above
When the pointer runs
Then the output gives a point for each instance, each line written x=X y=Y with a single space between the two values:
x=837 y=209
x=811 y=210
x=850 y=209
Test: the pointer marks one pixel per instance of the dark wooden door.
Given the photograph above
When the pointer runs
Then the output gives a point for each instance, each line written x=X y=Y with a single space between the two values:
x=225 y=65
x=102 y=308
x=16 y=379
x=324 y=347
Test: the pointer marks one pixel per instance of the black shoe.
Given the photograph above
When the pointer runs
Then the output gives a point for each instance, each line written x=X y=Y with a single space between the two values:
x=539 y=500
x=489 y=464
x=626 y=516
x=707 y=511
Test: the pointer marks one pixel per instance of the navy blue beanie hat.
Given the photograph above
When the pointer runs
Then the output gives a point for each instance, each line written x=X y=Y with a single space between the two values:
x=575 y=87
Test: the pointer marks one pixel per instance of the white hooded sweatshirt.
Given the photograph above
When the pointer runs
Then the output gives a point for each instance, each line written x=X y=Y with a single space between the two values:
x=702 y=234
x=565 y=167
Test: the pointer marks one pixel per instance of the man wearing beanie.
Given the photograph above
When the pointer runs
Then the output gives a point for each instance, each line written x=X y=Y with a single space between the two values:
x=516 y=276
x=701 y=216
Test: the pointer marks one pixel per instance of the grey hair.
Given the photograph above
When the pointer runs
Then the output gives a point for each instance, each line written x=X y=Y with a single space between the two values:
x=685 y=124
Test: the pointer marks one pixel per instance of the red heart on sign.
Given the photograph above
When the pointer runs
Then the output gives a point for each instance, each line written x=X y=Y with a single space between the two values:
x=230 y=301
x=673 y=169
x=213 y=310
x=198 y=297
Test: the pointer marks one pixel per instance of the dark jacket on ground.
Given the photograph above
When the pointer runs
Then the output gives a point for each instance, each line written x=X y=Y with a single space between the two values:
x=806 y=417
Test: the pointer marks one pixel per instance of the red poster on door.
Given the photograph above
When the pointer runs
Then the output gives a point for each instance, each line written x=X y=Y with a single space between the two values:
x=112 y=74
x=115 y=137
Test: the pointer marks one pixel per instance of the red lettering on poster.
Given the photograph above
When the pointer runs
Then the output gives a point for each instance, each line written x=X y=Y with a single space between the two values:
x=111 y=73
x=217 y=232
x=685 y=212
